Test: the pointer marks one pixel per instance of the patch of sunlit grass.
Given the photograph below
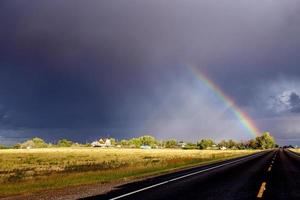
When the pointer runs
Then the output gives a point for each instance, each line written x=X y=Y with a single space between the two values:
x=297 y=150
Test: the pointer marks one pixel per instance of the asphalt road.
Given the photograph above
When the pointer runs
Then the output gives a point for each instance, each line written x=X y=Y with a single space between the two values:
x=269 y=175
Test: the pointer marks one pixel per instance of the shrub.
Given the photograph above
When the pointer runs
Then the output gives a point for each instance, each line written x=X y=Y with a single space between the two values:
x=64 y=143
x=34 y=143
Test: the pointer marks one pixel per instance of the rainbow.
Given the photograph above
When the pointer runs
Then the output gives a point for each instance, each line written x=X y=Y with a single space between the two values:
x=245 y=120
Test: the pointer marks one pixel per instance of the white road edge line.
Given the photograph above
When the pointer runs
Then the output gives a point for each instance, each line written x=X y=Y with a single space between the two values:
x=184 y=176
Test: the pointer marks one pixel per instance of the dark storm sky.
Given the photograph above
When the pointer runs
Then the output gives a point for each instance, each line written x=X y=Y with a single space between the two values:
x=89 y=69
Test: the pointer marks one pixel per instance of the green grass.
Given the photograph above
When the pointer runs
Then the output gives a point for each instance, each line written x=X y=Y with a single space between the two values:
x=39 y=169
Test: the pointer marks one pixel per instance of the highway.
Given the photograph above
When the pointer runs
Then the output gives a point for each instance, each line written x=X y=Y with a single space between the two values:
x=271 y=174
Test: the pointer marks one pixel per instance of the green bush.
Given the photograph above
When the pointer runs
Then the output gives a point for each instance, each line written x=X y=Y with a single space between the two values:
x=205 y=143
x=34 y=143
x=64 y=143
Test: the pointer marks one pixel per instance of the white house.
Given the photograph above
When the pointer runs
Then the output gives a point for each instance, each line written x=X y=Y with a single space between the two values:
x=223 y=148
x=102 y=143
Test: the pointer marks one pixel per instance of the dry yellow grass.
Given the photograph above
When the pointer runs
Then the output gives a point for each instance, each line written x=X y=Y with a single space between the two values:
x=26 y=170
x=295 y=150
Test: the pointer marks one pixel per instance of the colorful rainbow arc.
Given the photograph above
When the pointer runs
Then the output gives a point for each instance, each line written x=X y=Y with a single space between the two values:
x=245 y=120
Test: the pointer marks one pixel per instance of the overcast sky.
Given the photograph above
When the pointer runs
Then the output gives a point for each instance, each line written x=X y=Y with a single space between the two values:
x=88 y=69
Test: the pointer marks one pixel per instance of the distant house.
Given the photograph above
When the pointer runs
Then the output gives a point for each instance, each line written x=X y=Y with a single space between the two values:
x=96 y=144
x=107 y=143
x=182 y=144
x=145 y=147
x=102 y=143
x=223 y=148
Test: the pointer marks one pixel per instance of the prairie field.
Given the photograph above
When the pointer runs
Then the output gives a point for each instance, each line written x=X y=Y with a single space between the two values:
x=29 y=170
x=297 y=150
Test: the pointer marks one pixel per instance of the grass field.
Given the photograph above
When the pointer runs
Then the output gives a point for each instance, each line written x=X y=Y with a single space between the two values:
x=296 y=150
x=29 y=170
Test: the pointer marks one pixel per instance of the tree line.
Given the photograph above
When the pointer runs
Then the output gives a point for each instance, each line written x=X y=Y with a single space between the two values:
x=265 y=141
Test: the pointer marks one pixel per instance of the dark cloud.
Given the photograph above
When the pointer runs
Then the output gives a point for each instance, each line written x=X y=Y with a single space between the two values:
x=294 y=101
x=108 y=65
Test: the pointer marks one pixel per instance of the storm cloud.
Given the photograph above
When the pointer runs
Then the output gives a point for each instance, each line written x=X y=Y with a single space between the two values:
x=86 y=69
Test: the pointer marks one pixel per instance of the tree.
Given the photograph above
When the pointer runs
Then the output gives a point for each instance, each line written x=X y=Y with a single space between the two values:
x=135 y=142
x=17 y=146
x=170 y=143
x=241 y=145
x=223 y=143
x=3 y=147
x=27 y=144
x=265 y=141
x=113 y=141
x=147 y=140
x=231 y=144
x=253 y=144
x=160 y=143
x=124 y=143
x=34 y=143
x=64 y=143
x=205 y=143
x=39 y=143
